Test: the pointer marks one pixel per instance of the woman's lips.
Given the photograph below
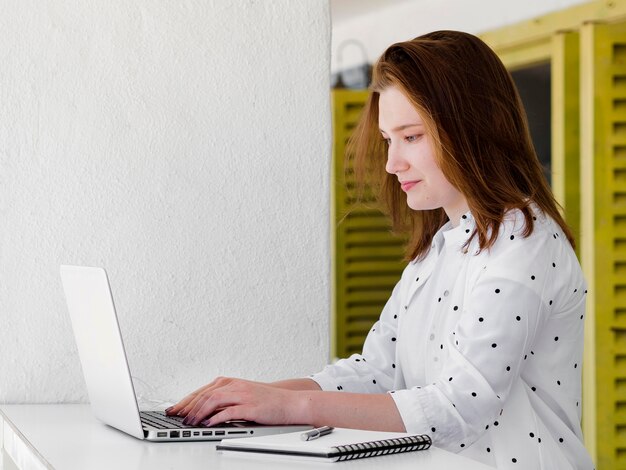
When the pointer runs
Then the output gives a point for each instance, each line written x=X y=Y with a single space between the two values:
x=407 y=185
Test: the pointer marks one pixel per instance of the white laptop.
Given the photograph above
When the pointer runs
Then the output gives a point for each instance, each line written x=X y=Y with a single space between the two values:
x=107 y=375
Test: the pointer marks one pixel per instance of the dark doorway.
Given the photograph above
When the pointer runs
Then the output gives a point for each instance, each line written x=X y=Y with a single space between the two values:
x=533 y=84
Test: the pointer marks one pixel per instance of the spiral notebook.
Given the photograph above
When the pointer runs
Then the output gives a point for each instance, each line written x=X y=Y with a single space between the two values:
x=341 y=444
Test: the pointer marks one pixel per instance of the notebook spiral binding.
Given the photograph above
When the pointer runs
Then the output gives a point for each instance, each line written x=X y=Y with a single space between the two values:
x=384 y=447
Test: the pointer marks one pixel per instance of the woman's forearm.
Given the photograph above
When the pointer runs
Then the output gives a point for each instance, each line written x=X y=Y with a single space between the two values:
x=340 y=409
x=296 y=384
x=349 y=410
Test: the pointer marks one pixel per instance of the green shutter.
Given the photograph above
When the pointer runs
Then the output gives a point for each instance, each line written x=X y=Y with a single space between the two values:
x=603 y=247
x=367 y=258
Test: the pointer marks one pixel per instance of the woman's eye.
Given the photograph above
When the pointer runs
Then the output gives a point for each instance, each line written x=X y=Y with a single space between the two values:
x=412 y=138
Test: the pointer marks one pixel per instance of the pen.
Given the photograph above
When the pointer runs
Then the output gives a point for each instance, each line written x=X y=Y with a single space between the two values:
x=315 y=433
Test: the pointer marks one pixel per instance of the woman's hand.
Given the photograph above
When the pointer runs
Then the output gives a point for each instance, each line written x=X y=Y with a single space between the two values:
x=227 y=399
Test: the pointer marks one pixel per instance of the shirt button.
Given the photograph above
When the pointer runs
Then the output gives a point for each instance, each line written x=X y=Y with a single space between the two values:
x=432 y=336
x=406 y=307
x=435 y=358
x=446 y=293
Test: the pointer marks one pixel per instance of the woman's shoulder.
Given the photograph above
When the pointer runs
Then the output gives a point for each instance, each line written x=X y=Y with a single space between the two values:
x=533 y=226
x=543 y=242
x=543 y=260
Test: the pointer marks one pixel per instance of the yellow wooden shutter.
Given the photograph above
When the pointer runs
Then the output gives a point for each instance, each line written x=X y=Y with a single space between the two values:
x=565 y=91
x=367 y=259
x=603 y=247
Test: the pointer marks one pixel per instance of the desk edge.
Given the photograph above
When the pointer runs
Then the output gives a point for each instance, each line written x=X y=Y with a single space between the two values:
x=23 y=438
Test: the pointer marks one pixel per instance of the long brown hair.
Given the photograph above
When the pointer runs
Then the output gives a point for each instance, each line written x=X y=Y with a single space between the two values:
x=474 y=114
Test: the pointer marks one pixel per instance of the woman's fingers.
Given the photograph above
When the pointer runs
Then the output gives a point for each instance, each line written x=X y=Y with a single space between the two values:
x=218 y=400
x=178 y=407
x=183 y=407
x=205 y=392
x=227 y=414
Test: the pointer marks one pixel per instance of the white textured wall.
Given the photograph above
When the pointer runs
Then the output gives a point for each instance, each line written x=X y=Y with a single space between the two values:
x=184 y=146
x=382 y=25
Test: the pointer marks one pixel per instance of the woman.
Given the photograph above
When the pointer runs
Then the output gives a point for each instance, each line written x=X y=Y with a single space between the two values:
x=480 y=344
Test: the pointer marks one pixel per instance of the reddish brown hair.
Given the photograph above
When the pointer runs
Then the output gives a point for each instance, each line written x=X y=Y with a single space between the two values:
x=473 y=112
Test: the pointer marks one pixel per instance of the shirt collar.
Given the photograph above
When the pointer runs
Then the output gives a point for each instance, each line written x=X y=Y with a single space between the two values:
x=454 y=236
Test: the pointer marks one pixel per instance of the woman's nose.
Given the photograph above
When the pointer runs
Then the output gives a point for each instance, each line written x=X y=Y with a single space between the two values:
x=395 y=161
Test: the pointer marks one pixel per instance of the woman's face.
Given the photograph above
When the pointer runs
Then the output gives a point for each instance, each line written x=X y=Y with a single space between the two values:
x=411 y=157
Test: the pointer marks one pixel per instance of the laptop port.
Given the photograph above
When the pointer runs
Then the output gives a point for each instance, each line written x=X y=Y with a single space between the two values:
x=186 y=433
x=207 y=433
x=174 y=433
x=220 y=433
x=237 y=432
x=162 y=434
x=196 y=433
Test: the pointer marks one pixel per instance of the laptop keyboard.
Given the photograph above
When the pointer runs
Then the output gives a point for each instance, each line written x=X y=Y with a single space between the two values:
x=160 y=420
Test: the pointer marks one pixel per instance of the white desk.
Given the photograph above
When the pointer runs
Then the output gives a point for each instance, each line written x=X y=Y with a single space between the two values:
x=67 y=437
